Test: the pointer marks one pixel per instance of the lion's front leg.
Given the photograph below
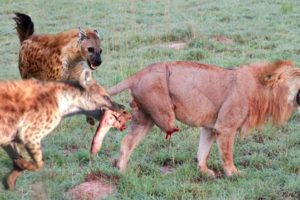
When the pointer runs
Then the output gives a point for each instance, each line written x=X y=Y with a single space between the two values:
x=140 y=126
x=230 y=117
x=225 y=143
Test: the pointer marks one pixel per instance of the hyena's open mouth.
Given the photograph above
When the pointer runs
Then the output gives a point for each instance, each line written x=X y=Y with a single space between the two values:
x=92 y=65
x=298 y=100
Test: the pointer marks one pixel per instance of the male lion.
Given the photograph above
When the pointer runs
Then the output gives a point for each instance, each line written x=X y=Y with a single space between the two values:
x=220 y=100
x=56 y=57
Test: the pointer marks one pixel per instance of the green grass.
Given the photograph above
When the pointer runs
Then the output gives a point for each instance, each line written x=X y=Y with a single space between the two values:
x=133 y=33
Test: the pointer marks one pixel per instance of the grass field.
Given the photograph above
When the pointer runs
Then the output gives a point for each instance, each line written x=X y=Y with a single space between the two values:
x=136 y=33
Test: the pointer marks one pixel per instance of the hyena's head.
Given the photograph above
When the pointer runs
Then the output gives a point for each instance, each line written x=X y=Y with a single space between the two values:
x=94 y=97
x=90 y=43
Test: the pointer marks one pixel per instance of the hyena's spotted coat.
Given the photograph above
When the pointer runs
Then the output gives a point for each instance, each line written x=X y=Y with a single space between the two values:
x=56 y=56
x=31 y=109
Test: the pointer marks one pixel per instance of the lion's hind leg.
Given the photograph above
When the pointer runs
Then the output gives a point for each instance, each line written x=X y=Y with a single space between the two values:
x=207 y=139
x=140 y=126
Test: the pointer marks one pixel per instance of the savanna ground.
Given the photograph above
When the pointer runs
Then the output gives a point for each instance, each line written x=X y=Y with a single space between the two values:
x=136 y=33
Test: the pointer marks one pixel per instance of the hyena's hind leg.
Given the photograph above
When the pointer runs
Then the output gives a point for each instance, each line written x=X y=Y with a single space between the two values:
x=12 y=177
x=32 y=143
x=34 y=150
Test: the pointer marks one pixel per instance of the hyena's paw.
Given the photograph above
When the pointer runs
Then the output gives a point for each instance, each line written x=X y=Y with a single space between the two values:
x=23 y=164
x=115 y=163
x=90 y=121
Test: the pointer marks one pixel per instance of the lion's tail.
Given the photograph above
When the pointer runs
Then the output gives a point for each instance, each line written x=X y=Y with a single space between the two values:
x=25 y=26
x=126 y=84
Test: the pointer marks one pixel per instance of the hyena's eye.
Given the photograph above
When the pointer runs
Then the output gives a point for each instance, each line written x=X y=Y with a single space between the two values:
x=91 y=49
x=106 y=98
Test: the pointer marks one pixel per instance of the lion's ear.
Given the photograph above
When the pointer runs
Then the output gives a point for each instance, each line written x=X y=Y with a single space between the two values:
x=270 y=79
x=275 y=72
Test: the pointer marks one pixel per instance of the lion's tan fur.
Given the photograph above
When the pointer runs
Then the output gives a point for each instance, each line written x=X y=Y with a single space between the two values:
x=222 y=101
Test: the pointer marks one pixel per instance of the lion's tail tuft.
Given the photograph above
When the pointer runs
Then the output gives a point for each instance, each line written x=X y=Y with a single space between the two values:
x=25 y=26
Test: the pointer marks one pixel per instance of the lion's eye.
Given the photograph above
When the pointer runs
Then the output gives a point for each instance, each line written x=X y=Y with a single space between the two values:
x=91 y=49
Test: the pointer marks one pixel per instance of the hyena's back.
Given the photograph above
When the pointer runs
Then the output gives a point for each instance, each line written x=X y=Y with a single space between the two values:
x=24 y=104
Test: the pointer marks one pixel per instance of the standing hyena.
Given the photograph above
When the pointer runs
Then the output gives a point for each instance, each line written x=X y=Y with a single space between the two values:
x=56 y=56
x=31 y=109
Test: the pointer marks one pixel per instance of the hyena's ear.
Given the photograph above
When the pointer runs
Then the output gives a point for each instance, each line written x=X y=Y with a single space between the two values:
x=86 y=78
x=97 y=33
x=81 y=34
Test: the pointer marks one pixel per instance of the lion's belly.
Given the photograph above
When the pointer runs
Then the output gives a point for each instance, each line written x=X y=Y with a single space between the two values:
x=195 y=110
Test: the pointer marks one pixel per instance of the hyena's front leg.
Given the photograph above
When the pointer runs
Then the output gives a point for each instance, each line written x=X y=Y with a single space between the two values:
x=17 y=171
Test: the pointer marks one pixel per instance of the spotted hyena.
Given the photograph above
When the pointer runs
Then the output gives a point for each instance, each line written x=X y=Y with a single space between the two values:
x=56 y=56
x=31 y=109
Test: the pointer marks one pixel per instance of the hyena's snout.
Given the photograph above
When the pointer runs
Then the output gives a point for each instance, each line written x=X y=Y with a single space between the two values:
x=94 y=60
x=97 y=59
x=111 y=105
x=118 y=107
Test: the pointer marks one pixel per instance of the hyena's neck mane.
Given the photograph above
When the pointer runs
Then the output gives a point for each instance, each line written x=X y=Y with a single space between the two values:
x=72 y=85
x=71 y=52
x=56 y=40
x=65 y=44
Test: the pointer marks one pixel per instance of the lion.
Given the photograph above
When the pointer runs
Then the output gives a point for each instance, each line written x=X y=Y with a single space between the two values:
x=221 y=101
x=56 y=57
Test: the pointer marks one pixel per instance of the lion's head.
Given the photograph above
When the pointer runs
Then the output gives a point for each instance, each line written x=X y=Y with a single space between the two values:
x=284 y=76
x=277 y=95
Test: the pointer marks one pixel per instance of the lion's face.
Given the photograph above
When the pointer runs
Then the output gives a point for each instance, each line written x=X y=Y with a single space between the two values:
x=294 y=88
x=91 y=47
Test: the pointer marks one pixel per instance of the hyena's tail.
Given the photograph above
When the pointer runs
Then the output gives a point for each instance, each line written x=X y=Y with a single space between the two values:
x=25 y=26
x=126 y=84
